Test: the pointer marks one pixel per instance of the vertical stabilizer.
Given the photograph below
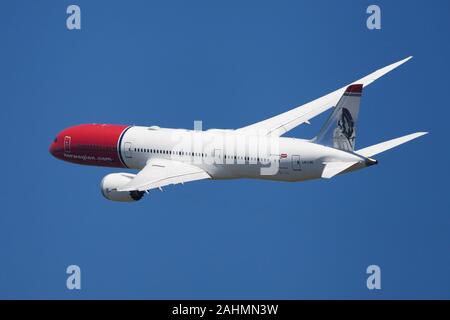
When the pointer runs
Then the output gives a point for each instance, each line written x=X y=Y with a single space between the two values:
x=339 y=131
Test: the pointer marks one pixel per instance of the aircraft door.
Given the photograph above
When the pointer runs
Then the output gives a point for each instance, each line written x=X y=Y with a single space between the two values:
x=218 y=156
x=128 y=150
x=296 y=164
x=67 y=140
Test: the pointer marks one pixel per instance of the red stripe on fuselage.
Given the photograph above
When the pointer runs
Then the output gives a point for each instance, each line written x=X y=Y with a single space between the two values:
x=89 y=144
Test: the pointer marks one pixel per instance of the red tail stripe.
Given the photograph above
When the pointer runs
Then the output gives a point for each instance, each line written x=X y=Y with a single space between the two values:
x=354 y=88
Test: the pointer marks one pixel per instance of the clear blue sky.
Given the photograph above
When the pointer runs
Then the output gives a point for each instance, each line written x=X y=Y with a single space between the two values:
x=228 y=63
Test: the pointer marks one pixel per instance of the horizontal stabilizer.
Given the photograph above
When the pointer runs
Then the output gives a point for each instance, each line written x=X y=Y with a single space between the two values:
x=383 y=146
x=333 y=168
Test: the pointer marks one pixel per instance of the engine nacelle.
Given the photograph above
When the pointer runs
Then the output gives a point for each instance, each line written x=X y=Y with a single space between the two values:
x=113 y=181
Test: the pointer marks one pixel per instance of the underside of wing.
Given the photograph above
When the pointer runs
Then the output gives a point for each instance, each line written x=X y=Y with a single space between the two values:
x=282 y=123
x=162 y=172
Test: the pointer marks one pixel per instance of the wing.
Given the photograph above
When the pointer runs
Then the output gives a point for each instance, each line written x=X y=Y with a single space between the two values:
x=161 y=172
x=286 y=121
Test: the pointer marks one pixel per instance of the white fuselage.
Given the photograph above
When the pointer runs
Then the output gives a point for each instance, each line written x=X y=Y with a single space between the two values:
x=231 y=154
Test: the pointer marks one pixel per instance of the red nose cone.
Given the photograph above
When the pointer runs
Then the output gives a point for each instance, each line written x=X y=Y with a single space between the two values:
x=90 y=144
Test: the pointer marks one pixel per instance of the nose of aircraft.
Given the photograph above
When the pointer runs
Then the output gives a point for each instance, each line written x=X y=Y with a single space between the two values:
x=90 y=144
x=53 y=147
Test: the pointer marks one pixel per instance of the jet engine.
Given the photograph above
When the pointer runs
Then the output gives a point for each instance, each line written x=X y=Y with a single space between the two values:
x=112 y=181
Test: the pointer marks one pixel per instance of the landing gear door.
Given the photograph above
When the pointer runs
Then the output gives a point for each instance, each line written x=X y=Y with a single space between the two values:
x=127 y=150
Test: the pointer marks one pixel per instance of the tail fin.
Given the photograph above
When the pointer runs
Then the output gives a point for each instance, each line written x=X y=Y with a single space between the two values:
x=339 y=131
x=384 y=146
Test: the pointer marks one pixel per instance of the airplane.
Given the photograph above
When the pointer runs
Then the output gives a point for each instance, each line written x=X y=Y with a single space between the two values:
x=168 y=156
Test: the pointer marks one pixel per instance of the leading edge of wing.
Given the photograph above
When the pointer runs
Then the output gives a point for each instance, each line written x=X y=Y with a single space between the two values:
x=284 y=122
x=162 y=172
